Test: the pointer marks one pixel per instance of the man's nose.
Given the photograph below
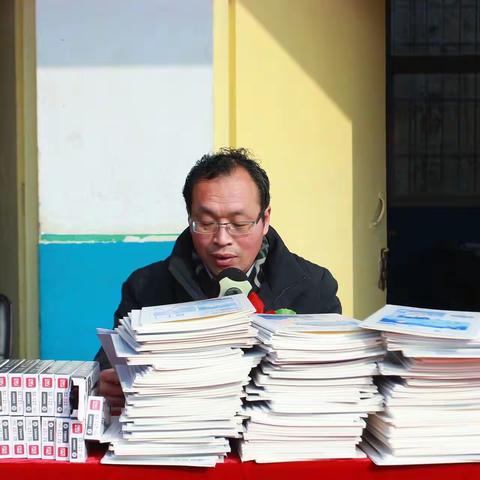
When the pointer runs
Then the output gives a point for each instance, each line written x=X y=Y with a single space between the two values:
x=222 y=236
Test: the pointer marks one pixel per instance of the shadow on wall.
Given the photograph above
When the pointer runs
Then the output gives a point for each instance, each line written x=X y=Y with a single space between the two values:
x=354 y=29
x=340 y=46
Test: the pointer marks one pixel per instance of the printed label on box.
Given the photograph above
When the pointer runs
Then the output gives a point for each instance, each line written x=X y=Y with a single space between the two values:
x=32 y=435
x=62 y=444
x=48 y=438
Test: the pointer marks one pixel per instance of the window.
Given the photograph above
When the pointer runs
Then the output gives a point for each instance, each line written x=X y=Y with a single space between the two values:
x=434 y=103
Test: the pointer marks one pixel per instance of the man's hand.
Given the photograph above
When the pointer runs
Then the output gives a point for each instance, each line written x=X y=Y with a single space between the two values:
x=110 y=389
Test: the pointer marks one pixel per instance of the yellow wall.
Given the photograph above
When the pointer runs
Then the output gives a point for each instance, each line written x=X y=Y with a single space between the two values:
x=306 y=93
x=27 y=168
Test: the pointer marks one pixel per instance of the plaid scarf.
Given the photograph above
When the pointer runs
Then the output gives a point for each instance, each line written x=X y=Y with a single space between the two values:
x=209 y=284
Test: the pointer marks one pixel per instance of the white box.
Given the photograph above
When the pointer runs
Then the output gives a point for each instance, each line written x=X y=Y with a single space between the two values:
x=78 y=446
x=48 y=438
x=83 y=382
x=15 y=386
x=47 y=389
x=33 y=429
x=62 y=440
x=19 y=443
x=31 y=388
x=4 y=391
x=62 y=387
x=5 y=437
x=97 y=417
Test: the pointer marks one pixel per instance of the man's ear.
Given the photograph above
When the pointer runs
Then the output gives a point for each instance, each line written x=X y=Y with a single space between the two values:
x=266 y=219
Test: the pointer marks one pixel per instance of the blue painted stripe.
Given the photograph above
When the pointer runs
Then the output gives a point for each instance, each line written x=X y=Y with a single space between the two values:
x=80 y=287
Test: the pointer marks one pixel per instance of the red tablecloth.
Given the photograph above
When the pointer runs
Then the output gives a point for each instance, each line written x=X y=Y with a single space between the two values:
x=233 y=469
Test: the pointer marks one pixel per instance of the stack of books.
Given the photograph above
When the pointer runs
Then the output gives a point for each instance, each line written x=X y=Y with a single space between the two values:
x=312 y=391
x=431 y=384
x=183 y=377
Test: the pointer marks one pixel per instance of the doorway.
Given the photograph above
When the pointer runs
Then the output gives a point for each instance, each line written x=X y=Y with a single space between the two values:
x=433 y=153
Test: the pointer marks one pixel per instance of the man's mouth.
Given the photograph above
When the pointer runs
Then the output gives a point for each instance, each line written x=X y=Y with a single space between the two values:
x=223 y=260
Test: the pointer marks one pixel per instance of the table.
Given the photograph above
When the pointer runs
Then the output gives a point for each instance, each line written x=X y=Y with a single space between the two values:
x=233 y=469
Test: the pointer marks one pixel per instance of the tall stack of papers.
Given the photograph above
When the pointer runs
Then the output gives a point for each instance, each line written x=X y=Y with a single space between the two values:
x=183 y=381
x=431 y=385
x=312 y=391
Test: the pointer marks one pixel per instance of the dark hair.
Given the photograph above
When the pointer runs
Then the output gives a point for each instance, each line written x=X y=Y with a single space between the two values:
x=223 y=162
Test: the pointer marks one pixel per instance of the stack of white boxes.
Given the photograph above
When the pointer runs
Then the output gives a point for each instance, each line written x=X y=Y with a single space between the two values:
x=43 y=408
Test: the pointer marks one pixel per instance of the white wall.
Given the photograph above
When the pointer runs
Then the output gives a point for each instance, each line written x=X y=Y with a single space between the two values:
x=125 y=107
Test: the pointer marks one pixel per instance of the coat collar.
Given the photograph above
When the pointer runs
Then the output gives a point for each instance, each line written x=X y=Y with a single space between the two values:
x=181 y=266
x=282 y=271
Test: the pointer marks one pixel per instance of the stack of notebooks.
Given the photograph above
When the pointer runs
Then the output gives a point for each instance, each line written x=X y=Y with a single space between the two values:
x=183 y=377
x=312 y=391
x=431 y=384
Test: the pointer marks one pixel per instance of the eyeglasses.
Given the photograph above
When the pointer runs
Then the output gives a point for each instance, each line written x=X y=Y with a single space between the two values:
x=233 y=228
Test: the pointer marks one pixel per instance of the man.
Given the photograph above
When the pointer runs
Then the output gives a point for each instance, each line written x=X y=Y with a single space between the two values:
x=227 y=196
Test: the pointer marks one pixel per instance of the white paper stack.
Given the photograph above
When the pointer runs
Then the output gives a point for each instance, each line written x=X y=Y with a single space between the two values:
x=431 y=384
x=183 y=381
x=312 y=391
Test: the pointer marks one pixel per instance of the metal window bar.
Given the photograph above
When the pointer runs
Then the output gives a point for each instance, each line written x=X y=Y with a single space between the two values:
x=455 y=22
x=435 y=43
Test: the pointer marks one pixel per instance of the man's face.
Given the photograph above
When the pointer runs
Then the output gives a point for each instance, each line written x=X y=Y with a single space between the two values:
x=228 y=198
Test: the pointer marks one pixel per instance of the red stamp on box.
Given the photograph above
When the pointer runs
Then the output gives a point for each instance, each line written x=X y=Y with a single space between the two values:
x=62 y=383
x=2 y=382
x=16 y=382
x=48 y=450
x=77 y=428
x=33 y=450
x=47 y=383
x=62 y=452
x=31 y=382
x=94 y=404
x=19 y=450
